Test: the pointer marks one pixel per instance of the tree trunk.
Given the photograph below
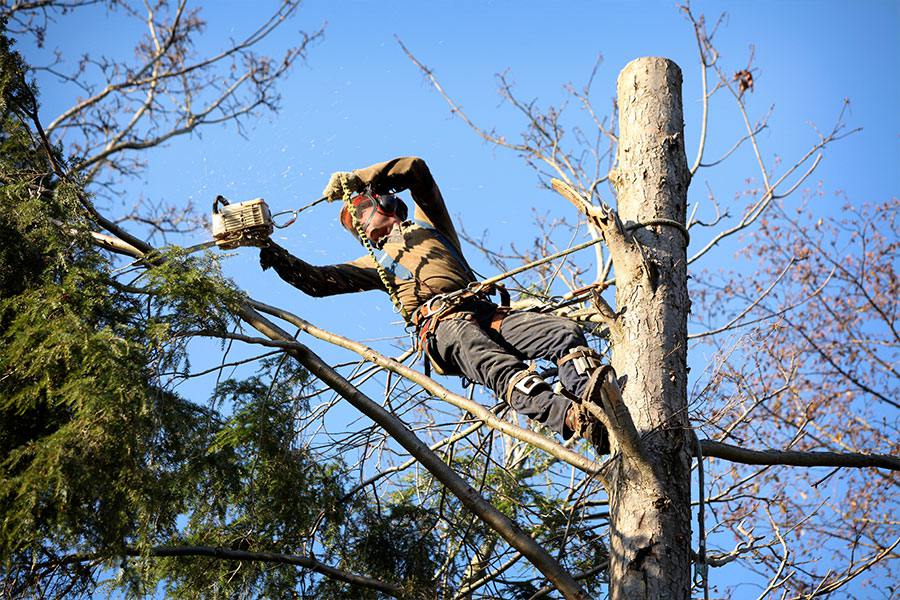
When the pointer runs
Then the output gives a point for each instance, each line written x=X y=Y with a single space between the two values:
x=650 y=526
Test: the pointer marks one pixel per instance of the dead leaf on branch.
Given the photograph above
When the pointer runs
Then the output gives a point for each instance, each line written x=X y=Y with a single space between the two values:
x=745 y=81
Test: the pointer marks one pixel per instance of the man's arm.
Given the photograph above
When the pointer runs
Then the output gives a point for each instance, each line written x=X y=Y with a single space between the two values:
x=411 y=173
x=356 y=276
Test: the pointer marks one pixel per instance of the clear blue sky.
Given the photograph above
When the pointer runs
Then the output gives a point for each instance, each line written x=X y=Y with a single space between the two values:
x=358 y=100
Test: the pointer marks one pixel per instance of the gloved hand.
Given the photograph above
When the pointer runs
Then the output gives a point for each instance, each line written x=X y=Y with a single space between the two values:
x=269 y=256
x=260 y=241
x=336 y=185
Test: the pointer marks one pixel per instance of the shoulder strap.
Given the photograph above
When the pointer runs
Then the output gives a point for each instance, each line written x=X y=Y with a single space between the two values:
x=391 y=265
x=453 y=250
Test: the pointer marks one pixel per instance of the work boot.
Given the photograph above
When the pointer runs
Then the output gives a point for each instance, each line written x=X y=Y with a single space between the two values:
x=586 y=426
x=596 y=392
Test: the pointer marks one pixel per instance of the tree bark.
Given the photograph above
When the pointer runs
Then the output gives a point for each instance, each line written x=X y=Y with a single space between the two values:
x=650 y=495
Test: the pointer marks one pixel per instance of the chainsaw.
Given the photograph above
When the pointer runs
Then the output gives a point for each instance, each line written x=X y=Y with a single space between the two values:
x=241 y=223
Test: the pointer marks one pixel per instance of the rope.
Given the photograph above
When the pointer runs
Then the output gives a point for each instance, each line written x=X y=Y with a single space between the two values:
x=670 y=222
x=382 y=274
x=701 y=569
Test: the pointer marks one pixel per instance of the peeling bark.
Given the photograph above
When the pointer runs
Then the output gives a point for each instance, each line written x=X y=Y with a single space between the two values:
x=650 y=514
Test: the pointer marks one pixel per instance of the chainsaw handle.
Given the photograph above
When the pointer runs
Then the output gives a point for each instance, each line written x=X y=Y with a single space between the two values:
x=220 y=199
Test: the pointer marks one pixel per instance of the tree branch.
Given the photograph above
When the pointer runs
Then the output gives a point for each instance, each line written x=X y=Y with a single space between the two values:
x=798 y=458
x=476 y=409
x=468 y=496
x=244 y=556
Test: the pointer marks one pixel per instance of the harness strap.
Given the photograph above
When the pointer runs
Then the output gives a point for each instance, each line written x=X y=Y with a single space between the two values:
x=427 y=317
x=425 y=322
x=585 y=359
x=393 y=266
x=504 y=294
x=457 y=255
x=498 y=316
x=526 y=381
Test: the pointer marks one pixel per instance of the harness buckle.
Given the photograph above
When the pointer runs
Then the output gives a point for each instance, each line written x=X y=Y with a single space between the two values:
x=583 y=359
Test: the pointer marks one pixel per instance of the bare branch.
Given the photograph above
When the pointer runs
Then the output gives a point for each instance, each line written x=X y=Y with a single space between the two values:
x=396 y=429
x=476 y=409
x=749 y=307
x=797 y=458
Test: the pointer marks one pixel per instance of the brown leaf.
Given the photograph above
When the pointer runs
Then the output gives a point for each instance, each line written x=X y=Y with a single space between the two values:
x=745 y=81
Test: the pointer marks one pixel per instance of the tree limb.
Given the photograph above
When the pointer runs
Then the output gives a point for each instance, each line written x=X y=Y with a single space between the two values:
x=467 y=495
x=476 y=409
x=242 y=555
x=798 y=458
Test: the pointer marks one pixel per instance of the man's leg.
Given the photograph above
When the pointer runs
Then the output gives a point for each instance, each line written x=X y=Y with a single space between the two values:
x=485 y=360
x=536 y=335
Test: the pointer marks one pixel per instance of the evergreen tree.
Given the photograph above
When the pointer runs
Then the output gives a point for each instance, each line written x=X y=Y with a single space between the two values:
x=101 y=458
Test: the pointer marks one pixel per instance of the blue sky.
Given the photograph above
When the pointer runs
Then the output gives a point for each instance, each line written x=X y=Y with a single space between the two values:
x=358 y=100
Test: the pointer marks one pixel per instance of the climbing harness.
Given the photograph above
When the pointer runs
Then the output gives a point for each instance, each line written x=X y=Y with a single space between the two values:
x=439 y=307
x=453 y=305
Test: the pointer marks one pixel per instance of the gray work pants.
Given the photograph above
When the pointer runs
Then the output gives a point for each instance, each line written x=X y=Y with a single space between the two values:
x=486 y=357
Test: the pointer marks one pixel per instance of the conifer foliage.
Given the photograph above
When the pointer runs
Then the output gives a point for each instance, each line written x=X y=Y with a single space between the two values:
x=101 y=459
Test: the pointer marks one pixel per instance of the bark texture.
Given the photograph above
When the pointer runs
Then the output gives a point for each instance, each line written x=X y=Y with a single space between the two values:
x=650 y=493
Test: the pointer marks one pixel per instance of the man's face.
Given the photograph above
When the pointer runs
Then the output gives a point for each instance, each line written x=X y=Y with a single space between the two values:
x=377 y=223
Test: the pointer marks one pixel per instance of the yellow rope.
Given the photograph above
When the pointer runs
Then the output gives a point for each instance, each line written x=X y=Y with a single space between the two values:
x=382 y=274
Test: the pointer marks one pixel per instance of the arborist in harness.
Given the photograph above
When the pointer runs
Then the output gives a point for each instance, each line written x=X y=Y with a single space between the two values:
x=420 y=263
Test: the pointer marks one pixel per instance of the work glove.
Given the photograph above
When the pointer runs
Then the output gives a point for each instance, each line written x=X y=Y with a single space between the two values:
x=270 y=255
x=273 y=255
x=259 y=241
x=335 y=188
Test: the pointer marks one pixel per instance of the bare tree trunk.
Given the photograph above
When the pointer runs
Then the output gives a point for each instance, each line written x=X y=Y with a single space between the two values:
x=650 y=498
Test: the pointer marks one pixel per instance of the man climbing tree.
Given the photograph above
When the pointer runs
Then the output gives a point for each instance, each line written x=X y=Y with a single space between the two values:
x=420 y=264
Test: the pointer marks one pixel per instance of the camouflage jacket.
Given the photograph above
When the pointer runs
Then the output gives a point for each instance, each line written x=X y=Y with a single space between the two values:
x=421 y=257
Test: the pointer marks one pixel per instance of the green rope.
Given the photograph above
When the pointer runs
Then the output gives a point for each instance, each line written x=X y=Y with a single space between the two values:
x=382 y=274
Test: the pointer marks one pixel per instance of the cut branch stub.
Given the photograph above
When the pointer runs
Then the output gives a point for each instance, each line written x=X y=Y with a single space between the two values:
x=604 y=219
